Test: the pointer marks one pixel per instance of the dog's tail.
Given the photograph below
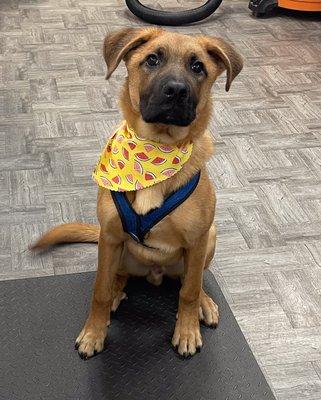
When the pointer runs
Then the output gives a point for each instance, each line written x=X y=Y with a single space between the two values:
x=68 y=233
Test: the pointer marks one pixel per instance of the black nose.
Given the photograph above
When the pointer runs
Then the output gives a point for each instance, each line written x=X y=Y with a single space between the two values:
x=175 y=89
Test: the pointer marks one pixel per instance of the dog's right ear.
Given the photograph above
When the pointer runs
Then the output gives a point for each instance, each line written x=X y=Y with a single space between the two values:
x=118 y=44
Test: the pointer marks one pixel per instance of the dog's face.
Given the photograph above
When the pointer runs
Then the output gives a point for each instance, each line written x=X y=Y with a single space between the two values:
x=170 y=85
x=170 y=75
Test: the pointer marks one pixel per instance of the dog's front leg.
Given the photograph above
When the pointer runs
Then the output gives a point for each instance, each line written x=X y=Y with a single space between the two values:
x=91 y=339
x=187 y=337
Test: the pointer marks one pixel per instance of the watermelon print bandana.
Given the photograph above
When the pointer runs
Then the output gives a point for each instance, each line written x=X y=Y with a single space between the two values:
x=129 y=162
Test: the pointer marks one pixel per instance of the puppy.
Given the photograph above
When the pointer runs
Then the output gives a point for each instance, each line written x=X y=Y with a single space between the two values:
x=166 y=98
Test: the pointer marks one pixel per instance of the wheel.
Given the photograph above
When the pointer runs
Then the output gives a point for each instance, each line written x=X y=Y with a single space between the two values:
x=261 y=8
x=160 y=17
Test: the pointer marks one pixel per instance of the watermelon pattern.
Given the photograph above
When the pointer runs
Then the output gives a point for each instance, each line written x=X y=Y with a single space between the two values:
x=149 y=176
x=159 y=161
x=125 y=153
x=106 y=181
x=121 y=164
x=138 y=167
x=103 y=167
x=130 y=178
x=142 y=156
x=168 y=172
x=129 y=162
x=149 y=147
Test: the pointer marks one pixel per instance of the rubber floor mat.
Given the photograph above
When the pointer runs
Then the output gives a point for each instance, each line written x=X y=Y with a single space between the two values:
x=40 y=319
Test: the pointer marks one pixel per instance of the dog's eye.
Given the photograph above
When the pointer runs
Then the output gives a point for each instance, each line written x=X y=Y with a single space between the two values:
x=197 y=67
x=152 y=60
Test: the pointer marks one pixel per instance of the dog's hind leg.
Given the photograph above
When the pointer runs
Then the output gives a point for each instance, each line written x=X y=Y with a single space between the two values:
x=120 y=282
x=208 y=313
x=211 y=244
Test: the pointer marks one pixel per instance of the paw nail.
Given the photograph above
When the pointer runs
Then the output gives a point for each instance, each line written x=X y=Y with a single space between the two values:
x=83 y=356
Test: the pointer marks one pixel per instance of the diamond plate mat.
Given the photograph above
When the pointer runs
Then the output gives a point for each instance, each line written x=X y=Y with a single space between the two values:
x=40 y=318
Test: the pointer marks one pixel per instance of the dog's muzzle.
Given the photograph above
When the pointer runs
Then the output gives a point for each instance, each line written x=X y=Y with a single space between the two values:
x=169 y=101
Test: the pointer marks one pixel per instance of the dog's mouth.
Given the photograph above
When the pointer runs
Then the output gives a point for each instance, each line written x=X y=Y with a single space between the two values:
x=169 y=101
x=180 y=116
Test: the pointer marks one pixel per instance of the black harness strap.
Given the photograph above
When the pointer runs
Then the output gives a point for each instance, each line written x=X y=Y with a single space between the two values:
x=137 y=226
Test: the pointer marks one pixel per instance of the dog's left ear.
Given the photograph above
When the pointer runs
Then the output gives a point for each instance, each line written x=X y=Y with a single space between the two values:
x=225 y=56
x=119 y=43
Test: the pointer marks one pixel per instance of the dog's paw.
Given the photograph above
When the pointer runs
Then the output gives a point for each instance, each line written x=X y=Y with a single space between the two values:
x=187 y=337
x=208 y=312
x=90 y=342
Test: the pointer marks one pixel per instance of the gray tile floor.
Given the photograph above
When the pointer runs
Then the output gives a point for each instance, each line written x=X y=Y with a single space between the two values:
x=56 y=110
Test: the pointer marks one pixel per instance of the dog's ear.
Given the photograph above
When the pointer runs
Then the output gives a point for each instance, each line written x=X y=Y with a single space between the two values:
x=118 y=44
x=225 y=56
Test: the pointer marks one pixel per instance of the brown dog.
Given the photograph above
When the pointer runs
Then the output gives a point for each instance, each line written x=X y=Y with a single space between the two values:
x=166 y=98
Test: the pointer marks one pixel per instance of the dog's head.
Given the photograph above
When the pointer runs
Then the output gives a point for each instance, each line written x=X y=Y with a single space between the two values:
x=170 y=75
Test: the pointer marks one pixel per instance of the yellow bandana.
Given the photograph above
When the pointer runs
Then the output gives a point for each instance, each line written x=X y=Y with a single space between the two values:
x=129 y=162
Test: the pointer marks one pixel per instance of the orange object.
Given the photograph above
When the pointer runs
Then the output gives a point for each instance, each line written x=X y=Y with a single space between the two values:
x=301 y=5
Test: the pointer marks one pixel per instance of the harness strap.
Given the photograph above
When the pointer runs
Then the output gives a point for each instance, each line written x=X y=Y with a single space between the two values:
x=137 y=225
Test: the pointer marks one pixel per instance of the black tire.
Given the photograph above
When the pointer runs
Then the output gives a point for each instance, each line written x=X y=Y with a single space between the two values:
x=160 y=17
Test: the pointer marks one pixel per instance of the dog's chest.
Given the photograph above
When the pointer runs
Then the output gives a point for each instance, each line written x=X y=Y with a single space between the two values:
x=162 y=243
x=171 y=231
x=164 y=236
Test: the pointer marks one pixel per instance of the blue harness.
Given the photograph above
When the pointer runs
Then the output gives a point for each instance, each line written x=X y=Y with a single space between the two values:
x=137 y=226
